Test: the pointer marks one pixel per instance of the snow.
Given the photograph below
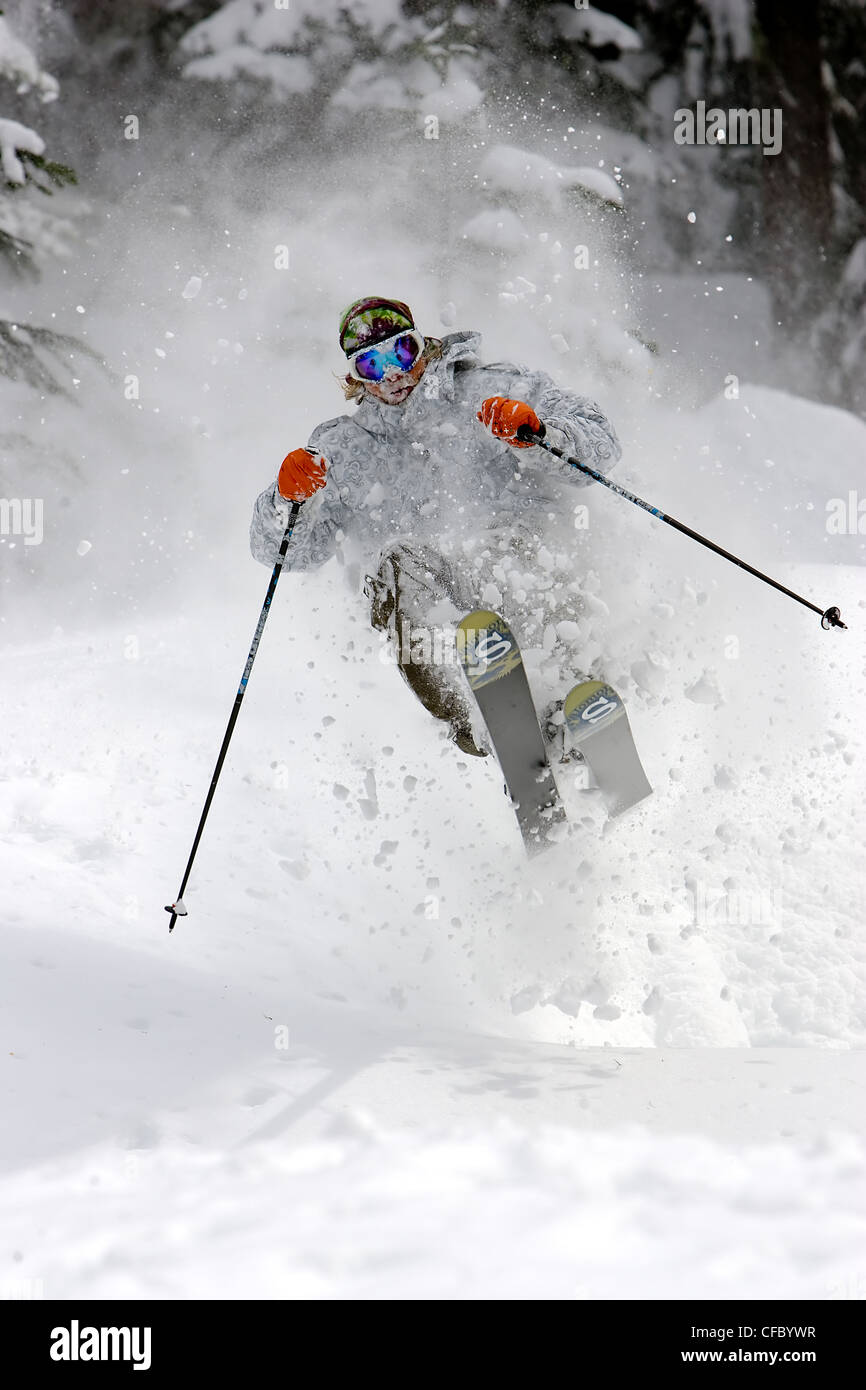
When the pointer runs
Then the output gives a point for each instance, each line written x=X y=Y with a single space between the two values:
x=511 y=169
x=292 y=50
x=620 y=1073
x=364 y=1211
x=595 y=181
x=508 y=168
x=41 y=230
x=595 y=27
x=854 y=271
x=385 y=1056
x=19 y=65
x=15 y=137
x=288 y=74
x=375 y=86
x=37 y=223
x=261 y=25
x=499 y=229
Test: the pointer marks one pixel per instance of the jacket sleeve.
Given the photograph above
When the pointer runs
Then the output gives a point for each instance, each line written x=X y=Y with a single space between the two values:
x=579 y=427
x=575 y=424
x=314 y=538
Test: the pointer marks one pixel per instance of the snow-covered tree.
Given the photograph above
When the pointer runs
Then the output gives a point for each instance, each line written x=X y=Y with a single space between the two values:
x=30 y=231
x=510 y=119
x=356 y=54
x=27 y=229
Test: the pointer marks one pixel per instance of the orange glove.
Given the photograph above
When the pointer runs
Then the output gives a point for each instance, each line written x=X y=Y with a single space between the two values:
x=504 y=418
x=301 y=474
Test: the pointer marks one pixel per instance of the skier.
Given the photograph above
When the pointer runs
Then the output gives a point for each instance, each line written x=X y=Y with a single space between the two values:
x=428 y=466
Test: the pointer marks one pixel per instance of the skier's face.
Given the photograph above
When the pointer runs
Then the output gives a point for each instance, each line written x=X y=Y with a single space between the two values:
x=396 y=386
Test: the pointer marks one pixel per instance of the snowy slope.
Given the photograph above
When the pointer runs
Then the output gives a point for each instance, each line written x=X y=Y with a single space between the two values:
x=462 y=1212
x=384 y=1056
x=478 y=1049
x=387 y=870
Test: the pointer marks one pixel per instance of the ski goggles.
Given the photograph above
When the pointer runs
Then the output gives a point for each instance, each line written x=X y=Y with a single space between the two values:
x=400 y=352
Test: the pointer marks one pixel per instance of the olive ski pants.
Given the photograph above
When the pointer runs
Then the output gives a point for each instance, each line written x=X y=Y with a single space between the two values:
x=417 y=597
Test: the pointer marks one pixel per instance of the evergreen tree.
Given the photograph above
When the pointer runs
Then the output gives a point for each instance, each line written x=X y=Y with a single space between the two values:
x=29 y=232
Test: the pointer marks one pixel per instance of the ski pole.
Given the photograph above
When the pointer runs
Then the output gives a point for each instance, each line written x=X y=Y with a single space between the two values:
x=830 y=617
x=177 y=908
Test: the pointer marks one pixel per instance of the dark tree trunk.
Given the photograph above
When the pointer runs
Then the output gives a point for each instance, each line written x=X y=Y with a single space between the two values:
x=797 y=206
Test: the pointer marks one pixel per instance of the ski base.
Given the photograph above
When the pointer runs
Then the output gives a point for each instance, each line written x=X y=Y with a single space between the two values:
x=490 y=656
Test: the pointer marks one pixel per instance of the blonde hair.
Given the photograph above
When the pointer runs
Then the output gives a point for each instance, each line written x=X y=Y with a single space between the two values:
x=354 y=390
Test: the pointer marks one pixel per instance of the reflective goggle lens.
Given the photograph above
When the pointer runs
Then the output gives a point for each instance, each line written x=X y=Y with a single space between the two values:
x=375 y=362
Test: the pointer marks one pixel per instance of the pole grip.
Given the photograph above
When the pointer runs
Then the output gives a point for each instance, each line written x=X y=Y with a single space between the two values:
x=527 y=435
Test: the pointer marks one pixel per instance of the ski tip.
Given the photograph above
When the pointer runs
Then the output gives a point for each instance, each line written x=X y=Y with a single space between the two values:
x=486 y=647
x=479 y=617
x=589 y=704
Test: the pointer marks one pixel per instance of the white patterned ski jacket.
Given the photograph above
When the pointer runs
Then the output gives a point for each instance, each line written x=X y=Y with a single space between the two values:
x=427 y=469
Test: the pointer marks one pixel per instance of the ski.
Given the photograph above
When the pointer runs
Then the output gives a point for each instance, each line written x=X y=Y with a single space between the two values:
x=599 y=730
x=490 y=656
